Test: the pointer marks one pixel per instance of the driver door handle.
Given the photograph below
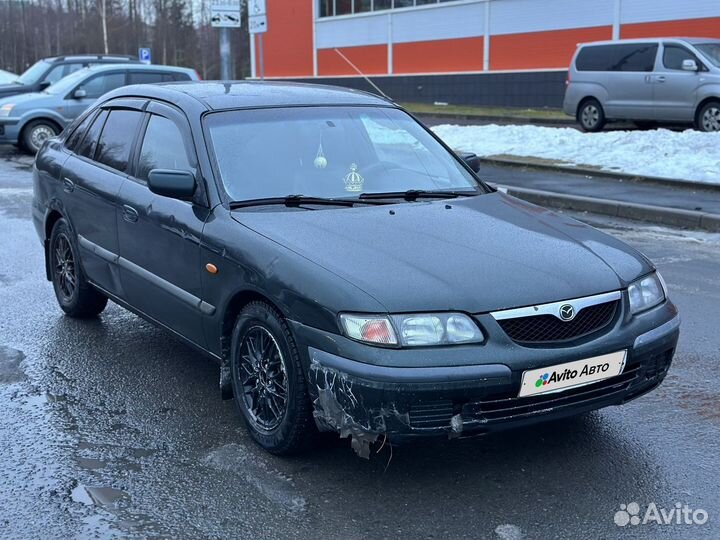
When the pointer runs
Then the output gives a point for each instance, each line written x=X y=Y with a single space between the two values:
x=68 y=185
x=130 y=214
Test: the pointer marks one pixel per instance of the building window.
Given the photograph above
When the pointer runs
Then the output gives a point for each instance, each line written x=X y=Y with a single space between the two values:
x=329 y=8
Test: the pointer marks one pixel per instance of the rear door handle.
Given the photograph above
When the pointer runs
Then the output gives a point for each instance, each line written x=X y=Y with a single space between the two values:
x=661 y=79
x=68 y=185
x=130 y=214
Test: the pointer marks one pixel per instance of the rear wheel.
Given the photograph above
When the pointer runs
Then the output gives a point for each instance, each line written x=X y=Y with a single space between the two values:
x=591 y=116
x=268 y=381
x=36 y=133
x=708 y=117
x=77 y=298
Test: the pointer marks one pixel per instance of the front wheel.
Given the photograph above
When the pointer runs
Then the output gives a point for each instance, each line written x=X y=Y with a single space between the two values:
x=268 y=382
x=591 y=116
x=77 y=298
x=708 y=118
x=36 y=133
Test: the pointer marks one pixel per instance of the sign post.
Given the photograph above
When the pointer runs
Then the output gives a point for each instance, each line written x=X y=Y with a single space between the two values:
x=225 y=14
x=258 y=24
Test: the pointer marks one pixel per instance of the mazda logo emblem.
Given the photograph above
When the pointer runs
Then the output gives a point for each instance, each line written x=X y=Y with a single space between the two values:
x=567 y=312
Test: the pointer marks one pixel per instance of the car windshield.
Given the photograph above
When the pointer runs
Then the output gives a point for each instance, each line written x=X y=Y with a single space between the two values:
x=66 y=84
x=329 y=152
x=33 y=73
x=711 y=51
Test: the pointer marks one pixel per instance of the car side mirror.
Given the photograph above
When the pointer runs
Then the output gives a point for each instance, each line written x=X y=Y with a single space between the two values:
x=79 y=94
x=43 y=85
x=172 y=183
x=690 y=65
x=471 y=160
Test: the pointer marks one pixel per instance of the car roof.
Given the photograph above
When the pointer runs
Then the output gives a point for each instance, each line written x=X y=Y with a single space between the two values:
x=691 y=40
x=219 y=95
x=135 y=67
x=109 y=58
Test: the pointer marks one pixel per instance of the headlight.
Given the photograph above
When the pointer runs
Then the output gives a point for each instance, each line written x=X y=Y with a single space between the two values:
x=6 y=109
x=646 y=293
x=413 y=330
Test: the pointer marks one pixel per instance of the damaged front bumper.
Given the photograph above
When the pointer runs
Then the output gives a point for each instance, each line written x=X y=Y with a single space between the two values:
x=369 y=402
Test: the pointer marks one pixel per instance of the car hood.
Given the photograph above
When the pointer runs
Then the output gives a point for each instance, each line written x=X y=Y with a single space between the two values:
x=474 y=254
x=37 y=99
x=11 y=89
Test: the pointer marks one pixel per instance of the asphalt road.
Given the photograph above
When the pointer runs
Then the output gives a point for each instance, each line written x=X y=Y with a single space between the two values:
x=111 y=428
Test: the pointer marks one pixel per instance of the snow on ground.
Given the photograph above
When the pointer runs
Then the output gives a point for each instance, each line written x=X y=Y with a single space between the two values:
x=687 y=155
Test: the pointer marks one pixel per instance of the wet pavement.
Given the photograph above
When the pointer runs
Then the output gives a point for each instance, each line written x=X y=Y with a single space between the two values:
x=111 y=428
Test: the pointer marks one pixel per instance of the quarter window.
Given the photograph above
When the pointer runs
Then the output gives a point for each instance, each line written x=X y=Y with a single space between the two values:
x=89 y=143
x=117 y=138
x=163 y=148
x=622 y=57
x=674 y=55
x=77 y=135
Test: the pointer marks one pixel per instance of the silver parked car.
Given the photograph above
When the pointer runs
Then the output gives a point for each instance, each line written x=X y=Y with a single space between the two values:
x=28 y=120
x=646 y=80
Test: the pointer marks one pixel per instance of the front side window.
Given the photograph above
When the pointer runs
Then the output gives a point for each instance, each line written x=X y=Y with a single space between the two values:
x=74 y=140
x=101 y=84
x=54 y=75
x=332 y=152
x=622 y=57
x=117 y=138
x=162 y=148
x=675 y=55
x=88 y=145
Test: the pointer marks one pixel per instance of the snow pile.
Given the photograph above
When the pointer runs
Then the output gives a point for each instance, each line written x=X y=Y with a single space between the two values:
x=687 y=155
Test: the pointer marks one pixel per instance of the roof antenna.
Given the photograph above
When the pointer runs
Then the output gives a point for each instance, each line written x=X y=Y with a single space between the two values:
x=375 y=86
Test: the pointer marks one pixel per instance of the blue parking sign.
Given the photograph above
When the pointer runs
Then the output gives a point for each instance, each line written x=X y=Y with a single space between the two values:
x=145 y=55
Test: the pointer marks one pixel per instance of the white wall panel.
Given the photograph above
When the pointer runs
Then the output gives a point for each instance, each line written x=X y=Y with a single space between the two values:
x=352 y=31
x=445 y=21
x=518 y=16
x=635 y=11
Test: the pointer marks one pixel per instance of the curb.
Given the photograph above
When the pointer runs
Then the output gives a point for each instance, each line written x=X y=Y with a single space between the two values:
x=493 y=118
x=657 y=180
x=673 y=217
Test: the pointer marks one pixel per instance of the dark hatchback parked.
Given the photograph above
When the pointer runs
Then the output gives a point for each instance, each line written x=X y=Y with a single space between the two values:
x=343 y=266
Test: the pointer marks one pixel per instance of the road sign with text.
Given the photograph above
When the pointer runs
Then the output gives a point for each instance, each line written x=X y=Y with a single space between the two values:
x=225 y=13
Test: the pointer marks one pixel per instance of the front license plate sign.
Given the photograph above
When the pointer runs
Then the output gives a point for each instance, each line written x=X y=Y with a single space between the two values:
x=572 y=374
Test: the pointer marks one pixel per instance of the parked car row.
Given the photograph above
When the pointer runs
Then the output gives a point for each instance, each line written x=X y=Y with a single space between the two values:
x=646 y=81
x=53 y=92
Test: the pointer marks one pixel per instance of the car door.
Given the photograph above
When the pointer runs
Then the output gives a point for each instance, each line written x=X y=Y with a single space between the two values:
x=91 y=187
x=675 y=90
x=629 y=85
x=159 y=236
x=94 y=87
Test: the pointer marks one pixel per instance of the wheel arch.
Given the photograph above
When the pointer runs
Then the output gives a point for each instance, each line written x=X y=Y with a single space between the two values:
x=45 y=118
x=583 y=101
x=702 y=104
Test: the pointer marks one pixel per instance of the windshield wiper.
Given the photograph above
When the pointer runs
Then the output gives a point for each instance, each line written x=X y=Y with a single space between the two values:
x=415 y=194
x=294 y=201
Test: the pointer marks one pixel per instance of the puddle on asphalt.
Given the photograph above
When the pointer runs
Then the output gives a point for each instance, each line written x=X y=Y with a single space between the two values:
x=270 y=483
x=98 y=496
x=11 y=369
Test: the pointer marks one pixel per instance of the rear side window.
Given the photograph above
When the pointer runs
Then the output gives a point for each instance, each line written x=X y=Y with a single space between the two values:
x=162 y=148
x=89 y=143
x=621 y=57
x=144 y=77
x=674 y=55
x=176 y=77
x=117 y=138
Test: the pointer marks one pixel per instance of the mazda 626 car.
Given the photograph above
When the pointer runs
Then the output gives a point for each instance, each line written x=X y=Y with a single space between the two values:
x=346 y=269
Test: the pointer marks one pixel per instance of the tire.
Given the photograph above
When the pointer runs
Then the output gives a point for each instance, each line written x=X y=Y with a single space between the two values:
x=591 y=116
x=708 y=117
x=36 y=133
x=261 y=380
x=77 y=298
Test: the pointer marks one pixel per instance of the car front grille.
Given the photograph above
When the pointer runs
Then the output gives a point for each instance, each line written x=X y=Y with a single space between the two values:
x=550 y=329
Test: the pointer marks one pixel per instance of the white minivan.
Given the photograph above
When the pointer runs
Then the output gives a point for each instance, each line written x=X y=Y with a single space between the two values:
x=674 y=80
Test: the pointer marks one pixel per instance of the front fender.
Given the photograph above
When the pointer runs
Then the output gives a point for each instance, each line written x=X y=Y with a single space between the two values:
x=44 y=114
